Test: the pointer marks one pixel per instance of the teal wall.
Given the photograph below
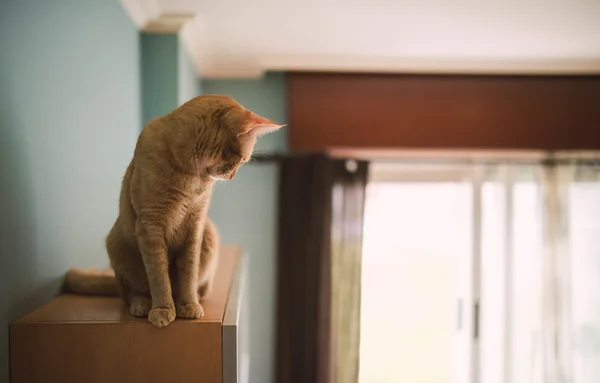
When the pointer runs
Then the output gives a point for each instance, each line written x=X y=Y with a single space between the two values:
x=169 y=77
x=245 y=211
x=69 y=118
x=189 y=85
x=266 y=96
x=160 y=53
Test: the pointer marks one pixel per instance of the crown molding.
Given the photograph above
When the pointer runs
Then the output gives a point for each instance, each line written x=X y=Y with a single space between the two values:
x=215 y=66
x=149 y=17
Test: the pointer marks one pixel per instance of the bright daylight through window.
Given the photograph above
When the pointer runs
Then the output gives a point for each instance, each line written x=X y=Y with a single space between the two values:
x=483 y=273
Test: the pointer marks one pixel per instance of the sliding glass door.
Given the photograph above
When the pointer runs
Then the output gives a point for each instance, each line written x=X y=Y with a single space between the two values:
x=481 y=272
x=416 y=261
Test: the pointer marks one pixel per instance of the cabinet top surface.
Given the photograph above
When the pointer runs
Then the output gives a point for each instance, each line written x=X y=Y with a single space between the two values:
x=70 y=308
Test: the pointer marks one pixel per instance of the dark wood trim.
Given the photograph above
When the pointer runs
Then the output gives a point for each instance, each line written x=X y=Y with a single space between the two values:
x=463 y=112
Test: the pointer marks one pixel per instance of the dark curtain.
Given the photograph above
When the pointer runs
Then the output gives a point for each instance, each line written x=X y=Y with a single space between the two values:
x=321 y=205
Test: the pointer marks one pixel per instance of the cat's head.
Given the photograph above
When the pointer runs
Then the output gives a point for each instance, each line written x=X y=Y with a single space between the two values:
x=224 y=134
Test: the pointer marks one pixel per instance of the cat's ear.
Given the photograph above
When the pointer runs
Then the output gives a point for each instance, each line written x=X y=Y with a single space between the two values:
x=259 y=125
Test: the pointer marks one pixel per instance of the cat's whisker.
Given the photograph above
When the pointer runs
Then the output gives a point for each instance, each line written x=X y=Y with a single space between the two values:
x=257 y=157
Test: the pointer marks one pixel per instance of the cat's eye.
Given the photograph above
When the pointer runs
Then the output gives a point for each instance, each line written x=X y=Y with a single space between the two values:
x=225 y=168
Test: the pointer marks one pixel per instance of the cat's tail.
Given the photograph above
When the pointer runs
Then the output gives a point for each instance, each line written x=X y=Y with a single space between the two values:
x=91 y=282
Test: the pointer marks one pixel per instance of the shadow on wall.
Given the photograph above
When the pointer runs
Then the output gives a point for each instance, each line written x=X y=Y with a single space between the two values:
x=69 y=118
x=21 y=282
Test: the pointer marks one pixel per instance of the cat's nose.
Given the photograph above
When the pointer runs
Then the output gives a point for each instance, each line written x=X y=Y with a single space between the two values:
x=232 y=174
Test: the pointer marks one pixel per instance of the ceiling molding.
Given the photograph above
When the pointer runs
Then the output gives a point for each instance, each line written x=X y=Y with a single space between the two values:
x=149 y=16
x=167 y=23
x=252 y=67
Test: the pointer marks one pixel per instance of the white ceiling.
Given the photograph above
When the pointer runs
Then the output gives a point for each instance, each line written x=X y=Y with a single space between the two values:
x=235 y=38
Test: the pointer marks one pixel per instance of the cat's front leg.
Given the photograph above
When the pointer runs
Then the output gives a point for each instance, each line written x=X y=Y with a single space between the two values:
x=188 y=263
x=154 y=254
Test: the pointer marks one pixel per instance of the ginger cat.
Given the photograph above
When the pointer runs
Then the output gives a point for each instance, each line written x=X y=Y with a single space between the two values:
x=162 y=248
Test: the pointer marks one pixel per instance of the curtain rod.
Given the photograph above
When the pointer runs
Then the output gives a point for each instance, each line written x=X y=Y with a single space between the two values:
x=588 y=158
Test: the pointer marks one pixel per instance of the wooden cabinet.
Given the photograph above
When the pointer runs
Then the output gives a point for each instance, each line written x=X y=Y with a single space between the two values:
x=82 y=339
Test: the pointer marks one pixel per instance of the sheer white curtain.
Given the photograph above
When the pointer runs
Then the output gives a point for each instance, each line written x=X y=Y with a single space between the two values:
x=526 y=263
x=540 y=272
x=511 y=277
x=572 y=218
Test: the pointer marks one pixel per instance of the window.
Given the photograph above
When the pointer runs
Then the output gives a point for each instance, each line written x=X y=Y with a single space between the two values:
x=413 y=233
x=481 y=273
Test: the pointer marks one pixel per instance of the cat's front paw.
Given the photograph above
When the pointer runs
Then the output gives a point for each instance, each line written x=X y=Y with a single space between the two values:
x=161 y=317
x=192 y=310
x=140 y=306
